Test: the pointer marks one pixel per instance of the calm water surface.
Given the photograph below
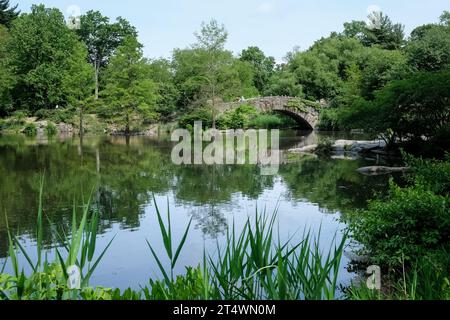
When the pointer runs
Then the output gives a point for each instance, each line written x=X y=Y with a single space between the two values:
x=309 y=192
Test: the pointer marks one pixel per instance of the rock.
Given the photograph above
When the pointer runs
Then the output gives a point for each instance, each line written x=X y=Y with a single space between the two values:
x=345 y=157
x=306 y=149
x=380 y=170
x=64 y=128
x=346 y=147
x=353 y=146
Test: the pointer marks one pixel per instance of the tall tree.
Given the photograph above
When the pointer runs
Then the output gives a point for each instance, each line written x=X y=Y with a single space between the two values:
x=162 y=73
x=102 y=38
x=78 y=82
x=129 y=90
x=41 y=47
x=263 y=66
x=429 y=47
x=211 y=41
x=379 y=30
x=7 y=13
x=445 y=18
x=6 y=75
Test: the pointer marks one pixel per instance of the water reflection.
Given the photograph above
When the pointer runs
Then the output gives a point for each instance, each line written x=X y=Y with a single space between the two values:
x=126 y=172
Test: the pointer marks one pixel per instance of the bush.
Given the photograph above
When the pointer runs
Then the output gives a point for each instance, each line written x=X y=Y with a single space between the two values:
x=30 y=130
x=324 y=147
x=412 y=222
x=329 y=120
x=434 y=175
x=239 y=118
x=201 y=114
x=51 y=129
x=19 y=115
x=266 y=121
x=63 y=115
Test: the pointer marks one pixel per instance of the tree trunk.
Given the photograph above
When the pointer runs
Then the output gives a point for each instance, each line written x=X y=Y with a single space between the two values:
x=81 y=121
x=97 y=71
x=213 y=108
x=127 y=125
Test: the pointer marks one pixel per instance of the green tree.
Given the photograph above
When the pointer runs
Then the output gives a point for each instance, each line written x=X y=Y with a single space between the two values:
x=429 y=47
x=207 y=73
x=263 y=67
x=6 y=75
x=102 y=38
x=416 y=108
x=161 y=72
x=284 y=83
x=41 y=47
x=78 y=81
x=380 y=66
x=211 y=40
x=129 y=90
x=379 y=30
x=7 y=13
x=321 y=70
x=355 y=29
x=445 y=18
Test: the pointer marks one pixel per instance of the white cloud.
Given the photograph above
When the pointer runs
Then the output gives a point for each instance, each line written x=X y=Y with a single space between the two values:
x=265 y=7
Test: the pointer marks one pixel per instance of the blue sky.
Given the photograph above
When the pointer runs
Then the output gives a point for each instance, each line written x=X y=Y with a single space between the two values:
x=276 y=26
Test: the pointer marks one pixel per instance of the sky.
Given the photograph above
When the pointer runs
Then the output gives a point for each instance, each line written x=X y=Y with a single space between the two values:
x=276 y=26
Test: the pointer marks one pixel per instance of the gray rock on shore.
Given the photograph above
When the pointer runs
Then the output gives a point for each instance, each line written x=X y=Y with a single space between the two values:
x=381 y=170
x=346 y=146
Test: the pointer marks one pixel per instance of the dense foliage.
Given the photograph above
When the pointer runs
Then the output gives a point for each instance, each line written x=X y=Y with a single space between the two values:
x=408 y=231
x=370 y=76
x=7 y=12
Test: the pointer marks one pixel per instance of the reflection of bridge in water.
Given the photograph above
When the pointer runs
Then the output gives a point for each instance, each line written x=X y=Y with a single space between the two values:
x=303 y=111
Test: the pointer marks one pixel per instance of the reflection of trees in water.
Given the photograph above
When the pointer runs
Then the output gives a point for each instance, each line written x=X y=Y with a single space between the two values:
x=332 y=184
x=210 y=220
x=128 y=172
x=210 y=189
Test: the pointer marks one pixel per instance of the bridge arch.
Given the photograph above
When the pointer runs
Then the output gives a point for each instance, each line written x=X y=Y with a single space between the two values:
x=303 y=112
x=302 y=123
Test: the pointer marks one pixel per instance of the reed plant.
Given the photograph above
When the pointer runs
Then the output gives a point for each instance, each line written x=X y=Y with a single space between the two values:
x=48 y=280
x=253 y=265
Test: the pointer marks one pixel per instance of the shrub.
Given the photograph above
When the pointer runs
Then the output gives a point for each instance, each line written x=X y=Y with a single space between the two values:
x=239 y=118
x=19 y=115
x=51 y=129
x=324 y=147
x=433 y=175
x=30 y=130
x=329 y=120
x=266 y=121
x=63 y=115
x=409 y=224
x=201 y=114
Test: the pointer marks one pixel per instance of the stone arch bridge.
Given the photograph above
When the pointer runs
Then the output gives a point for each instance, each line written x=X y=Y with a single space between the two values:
x=303 y=111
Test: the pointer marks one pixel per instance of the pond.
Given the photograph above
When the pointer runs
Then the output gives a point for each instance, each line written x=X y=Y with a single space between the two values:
x=125 y=172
